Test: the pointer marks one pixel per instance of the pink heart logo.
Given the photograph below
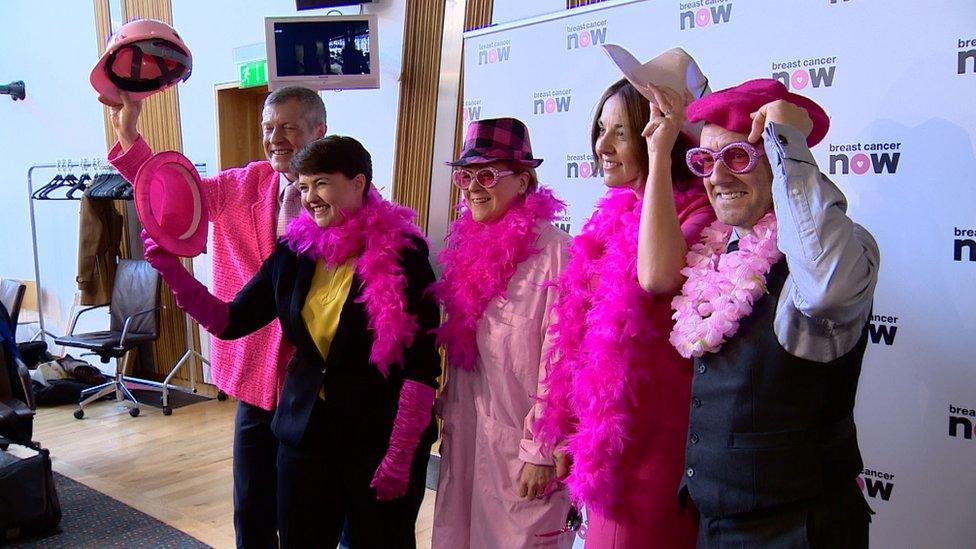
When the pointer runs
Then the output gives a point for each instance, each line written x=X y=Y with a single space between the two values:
x=703 y=17
x=860 y=163
x=585 y=169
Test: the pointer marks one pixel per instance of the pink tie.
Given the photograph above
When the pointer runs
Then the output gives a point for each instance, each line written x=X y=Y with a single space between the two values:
x=291 y=206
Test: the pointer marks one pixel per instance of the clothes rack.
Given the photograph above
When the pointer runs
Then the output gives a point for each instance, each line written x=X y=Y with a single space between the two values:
x=90 y=169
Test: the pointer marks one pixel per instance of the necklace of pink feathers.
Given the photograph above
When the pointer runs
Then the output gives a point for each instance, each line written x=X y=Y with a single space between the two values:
x=721 y=287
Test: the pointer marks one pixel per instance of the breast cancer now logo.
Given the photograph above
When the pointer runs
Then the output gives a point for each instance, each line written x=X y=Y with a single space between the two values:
x=494 y=52
x=471 y=110
x=966 y=58
x=582 y=166
x=563 y=223
x=877 y=158
x=585 y=35
x=876 y=484
x=963 y=243
x=551 y=102
x=961 y=421
x=882 y=329
x=798 y=74
x=702 y=13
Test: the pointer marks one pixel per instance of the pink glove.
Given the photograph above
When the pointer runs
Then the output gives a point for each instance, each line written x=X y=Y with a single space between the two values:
x=413 y=416
x=191 y=296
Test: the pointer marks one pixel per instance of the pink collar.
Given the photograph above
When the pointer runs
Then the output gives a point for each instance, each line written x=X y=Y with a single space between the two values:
x=369 y=235
x=721 y=287
x=479 y=261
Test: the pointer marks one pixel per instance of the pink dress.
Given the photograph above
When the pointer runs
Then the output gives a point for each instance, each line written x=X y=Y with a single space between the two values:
x=647 y=513
x=489 y=414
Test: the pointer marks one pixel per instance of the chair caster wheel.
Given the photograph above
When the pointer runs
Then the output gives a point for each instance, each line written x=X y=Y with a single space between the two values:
x=79 y=413
x=134 y=412
x=221 y=396
x=167 y=411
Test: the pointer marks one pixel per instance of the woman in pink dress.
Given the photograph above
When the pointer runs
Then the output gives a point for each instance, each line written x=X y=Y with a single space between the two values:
x=496 y=485
x=618 y=392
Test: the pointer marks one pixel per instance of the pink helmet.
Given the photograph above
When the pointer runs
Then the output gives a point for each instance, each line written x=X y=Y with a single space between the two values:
x=144 y=57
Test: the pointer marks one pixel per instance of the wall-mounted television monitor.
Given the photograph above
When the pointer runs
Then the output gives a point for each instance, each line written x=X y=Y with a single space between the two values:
x=323 y=52
x=316 y=4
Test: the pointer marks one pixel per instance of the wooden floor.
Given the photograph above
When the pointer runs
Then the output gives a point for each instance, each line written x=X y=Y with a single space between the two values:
x=176 y=469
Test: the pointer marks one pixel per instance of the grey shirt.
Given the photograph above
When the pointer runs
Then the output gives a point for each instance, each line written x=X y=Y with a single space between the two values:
x=833 y=262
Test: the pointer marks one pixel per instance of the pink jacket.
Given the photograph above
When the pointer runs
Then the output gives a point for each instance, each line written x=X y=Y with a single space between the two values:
x=243 y=210
x=490 y=414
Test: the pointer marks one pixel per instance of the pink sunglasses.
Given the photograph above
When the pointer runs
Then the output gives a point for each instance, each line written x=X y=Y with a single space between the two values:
x=486 y=177
x=739 y=157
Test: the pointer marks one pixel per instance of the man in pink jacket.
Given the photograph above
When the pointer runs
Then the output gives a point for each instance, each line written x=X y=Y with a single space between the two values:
x=249 y=208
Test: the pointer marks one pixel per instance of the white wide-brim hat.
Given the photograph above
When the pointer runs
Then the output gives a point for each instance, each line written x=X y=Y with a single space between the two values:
x=674 y=68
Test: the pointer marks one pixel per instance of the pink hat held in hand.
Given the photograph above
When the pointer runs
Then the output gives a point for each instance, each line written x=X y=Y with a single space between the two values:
x=171 y=203
x=144 y=57
x=674 y=68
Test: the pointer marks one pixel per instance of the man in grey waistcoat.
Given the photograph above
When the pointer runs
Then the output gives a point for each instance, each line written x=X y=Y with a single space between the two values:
x=778 y=330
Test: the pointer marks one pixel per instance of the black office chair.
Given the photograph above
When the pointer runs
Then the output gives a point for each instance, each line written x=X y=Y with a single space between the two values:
x=134 y=311
x=16 y=400
x=12 y=296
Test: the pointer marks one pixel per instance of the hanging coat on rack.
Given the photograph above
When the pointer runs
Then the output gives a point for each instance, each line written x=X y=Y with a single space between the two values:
x=100 y=233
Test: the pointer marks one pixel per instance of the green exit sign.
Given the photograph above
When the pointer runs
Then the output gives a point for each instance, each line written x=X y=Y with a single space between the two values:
x=254 y=73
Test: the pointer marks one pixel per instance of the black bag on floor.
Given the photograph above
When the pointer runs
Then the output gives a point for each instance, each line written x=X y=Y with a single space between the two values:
x=28 y=497
x=34 y=352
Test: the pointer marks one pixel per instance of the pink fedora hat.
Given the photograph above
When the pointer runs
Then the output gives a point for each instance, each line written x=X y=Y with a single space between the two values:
x=144 y=57
x=497 y=139
x=172 y=204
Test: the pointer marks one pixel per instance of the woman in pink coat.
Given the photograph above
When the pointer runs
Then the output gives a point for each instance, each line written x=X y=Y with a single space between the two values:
x=496 y=485
x=617 y=392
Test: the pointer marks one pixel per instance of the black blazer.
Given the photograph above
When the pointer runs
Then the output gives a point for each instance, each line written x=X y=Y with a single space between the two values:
x=360 y=404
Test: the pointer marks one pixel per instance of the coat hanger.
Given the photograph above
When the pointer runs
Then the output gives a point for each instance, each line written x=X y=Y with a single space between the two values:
x=120 y=189
x=68 y=182
x=102 y=188
x=67 y=179
x=42 y=192
x=81 y=183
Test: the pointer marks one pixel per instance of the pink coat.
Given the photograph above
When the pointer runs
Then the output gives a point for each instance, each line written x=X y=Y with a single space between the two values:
x=243 y=210
x=489 y=415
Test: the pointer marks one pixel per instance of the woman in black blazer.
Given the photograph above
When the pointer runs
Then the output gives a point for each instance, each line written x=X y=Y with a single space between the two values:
x=354 y=417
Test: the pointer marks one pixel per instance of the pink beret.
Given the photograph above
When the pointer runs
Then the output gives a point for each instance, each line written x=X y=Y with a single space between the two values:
x=730 y=108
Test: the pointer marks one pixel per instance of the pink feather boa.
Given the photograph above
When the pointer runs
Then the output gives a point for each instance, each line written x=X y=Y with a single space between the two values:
x=377 y=234
x=602 y=329
x=479 y=261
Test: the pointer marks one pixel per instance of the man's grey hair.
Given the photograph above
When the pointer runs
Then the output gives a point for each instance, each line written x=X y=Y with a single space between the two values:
x=310 y=100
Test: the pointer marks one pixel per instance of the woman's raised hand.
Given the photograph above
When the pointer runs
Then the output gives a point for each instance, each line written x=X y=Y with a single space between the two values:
x=667 y=118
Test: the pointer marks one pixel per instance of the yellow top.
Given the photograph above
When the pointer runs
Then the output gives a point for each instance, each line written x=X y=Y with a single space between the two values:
x=323 y=305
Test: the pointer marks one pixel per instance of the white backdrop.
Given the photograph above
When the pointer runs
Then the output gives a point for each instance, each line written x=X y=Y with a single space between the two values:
x=898 y=79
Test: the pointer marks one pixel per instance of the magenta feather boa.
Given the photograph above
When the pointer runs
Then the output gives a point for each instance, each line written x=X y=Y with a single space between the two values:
x=479 y=260
x=376 y=234
x=601 y=331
